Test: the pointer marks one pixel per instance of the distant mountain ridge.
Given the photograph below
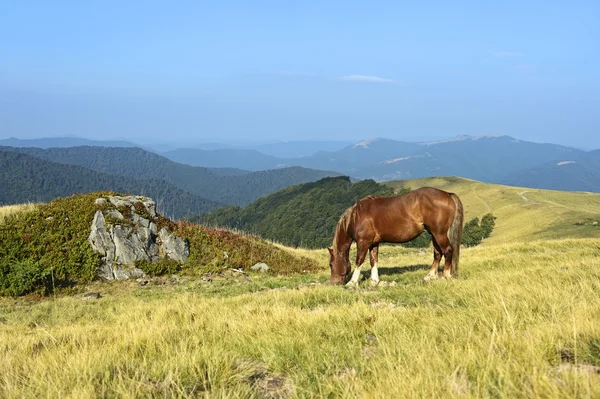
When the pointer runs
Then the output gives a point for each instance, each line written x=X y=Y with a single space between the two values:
x=51 y=142
x=487 y=158
x=25 y=178
x=226 y=186
x=578 y=173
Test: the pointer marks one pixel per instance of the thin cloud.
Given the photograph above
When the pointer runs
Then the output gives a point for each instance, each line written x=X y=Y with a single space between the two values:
x=505 y=54
x=367 y=78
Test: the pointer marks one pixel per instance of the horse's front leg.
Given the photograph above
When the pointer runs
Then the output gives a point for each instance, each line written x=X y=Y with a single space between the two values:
x=361 y=254
x=374 y=257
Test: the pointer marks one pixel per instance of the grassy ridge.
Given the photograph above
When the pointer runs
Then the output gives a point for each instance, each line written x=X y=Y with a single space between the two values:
x=521 y=322
x=523 y=214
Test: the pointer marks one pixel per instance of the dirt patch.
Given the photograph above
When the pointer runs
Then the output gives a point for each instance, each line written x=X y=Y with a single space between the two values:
x=266 y=384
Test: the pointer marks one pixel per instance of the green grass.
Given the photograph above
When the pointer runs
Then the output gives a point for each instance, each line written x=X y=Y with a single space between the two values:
x=523 y=214
x=522 y=321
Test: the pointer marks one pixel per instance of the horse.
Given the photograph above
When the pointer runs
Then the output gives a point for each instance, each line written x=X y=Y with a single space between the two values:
x=397 y=219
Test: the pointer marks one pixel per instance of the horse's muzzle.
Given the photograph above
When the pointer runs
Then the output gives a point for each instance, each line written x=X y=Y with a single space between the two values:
x=337 y=280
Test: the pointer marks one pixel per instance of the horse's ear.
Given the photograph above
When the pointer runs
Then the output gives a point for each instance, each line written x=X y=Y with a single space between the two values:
x=330 y=251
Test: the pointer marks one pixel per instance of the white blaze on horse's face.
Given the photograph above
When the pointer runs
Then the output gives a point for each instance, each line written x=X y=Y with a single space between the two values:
x=339 y=268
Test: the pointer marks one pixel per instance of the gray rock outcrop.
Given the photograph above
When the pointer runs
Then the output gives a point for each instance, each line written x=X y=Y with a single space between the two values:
x=121 y=240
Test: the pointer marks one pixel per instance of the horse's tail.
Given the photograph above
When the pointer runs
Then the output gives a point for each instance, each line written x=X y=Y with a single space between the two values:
x=455 y=232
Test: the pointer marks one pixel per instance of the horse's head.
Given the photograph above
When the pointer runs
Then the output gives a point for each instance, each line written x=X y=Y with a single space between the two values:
x=340 y=267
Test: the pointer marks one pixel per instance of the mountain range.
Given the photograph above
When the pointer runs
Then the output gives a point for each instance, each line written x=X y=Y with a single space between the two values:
x=25 y=178
x=492 y=159
x=222 y=172
x=214 y=186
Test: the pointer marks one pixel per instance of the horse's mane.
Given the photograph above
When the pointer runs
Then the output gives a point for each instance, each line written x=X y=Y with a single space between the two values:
x=343 y=223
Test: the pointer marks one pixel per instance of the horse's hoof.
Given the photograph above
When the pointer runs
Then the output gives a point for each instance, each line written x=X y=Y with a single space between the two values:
x=374 y=283
x=352 y=284
x=430 y=277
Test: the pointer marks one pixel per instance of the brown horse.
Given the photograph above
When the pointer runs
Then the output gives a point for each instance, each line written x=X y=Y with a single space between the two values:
x=397 y=219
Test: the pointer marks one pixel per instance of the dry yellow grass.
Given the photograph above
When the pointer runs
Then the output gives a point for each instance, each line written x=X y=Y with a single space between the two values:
x=8 y=210
x=522 y=321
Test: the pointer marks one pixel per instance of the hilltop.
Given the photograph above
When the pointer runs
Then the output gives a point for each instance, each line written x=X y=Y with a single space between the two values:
x=47 y=245
x=523 y=214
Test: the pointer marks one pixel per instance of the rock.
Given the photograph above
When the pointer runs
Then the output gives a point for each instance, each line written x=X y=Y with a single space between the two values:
x=260 y=266
x=100 y=238
x=142 y=282
x=115 y=214
x=100 y=201
x=123 y=201
x=371 y=339
x=150 y=207
x=91 y=296
x=123 y=240
x=173 y=246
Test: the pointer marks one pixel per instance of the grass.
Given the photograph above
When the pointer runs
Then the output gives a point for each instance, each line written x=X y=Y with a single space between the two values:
x=8 y=210
x=523 y=214
x=522 y=321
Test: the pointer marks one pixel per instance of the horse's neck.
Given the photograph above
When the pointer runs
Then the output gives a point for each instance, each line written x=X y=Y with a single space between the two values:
x=342 y=240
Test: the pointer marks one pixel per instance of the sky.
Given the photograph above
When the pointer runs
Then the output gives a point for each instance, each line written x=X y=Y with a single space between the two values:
x=206 y=71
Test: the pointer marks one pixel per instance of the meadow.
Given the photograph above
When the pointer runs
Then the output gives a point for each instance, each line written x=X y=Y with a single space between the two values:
x=521 y=320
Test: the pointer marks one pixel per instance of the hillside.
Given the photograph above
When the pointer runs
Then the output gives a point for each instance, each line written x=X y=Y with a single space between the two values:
x=303 y=215
x=523 y=214
x=24 y=178
x=227 y=185
x=46 y=246
x=577 y=173
x=522 y=319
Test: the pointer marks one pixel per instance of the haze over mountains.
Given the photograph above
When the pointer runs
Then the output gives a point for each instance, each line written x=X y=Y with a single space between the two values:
x=230 y=174
x=493 y=159
x=134 y=170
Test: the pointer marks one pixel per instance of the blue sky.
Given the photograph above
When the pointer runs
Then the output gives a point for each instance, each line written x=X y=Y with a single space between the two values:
x=338 y=70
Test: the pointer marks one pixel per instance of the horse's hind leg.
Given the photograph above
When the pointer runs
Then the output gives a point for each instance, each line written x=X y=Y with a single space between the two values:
x=361 y=254
x=446 y=249
x=374 y=256
x=437 y=257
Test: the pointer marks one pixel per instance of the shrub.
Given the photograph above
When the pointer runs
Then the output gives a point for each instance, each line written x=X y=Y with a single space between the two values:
x=23 y=277
x=158 y=268
x=474 y=232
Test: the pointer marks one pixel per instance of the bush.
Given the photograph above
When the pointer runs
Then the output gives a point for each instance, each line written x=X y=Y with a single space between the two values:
x=23 y=277
x=158 y=268
x=474 y=232
x=51 y=237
